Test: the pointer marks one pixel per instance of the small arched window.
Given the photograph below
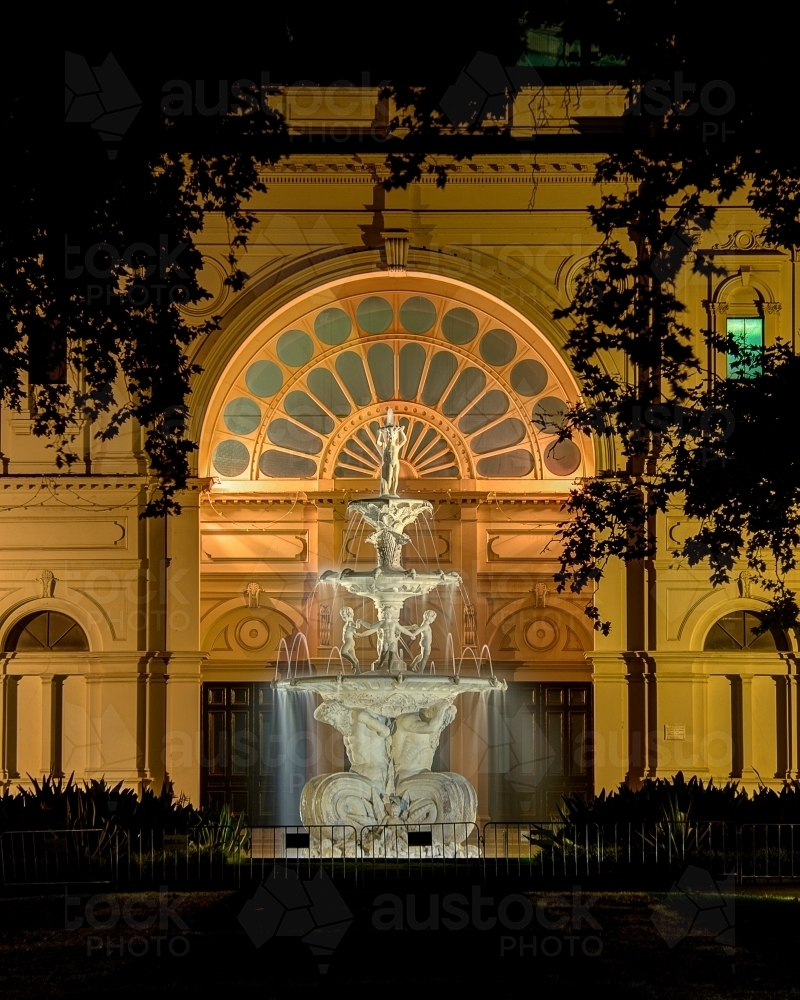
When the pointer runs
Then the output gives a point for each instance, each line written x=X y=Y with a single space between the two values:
x=46 y=631
x=735 y=631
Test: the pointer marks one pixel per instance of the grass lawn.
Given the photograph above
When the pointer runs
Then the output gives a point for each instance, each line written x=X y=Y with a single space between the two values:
x=49 y=949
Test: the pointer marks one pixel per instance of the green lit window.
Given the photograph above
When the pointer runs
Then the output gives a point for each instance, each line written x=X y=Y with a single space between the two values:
x=748 y=335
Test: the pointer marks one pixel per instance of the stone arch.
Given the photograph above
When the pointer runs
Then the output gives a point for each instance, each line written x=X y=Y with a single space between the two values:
x=18 y=610
x=743 y=290
x=563 y=631
x=703 y=621
x=232 y=614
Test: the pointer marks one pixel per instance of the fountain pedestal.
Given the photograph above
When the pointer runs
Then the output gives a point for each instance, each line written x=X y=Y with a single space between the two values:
x=391 y=727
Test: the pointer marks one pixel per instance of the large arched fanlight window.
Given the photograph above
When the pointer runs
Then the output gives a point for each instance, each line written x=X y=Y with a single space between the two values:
x=477 y=396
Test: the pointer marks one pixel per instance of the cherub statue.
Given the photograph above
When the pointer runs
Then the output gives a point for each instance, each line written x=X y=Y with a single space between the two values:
x=395 y=809
x=388 y=636
x=391 y=438
x=349 y=633
x=424 y=634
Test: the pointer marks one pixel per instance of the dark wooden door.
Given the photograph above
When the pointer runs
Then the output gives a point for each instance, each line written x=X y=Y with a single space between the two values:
x=562 y=727
x=539 y=749
x=254 y=756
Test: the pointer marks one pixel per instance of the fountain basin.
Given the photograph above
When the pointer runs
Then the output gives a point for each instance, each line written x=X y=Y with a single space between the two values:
x=390 y=695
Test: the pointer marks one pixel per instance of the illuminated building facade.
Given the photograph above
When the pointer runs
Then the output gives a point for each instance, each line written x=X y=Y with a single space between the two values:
x=142 y=651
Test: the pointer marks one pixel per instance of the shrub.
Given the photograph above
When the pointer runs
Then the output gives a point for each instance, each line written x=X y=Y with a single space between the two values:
x=677 y=800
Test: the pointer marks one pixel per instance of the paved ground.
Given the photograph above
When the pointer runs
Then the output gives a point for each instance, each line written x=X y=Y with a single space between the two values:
x=393 y=939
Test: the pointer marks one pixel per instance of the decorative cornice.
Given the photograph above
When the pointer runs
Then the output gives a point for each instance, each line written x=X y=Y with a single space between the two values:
x=496 y=172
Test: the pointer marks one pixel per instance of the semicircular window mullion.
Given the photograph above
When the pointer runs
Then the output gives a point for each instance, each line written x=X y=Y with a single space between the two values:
x=324 y=386
x=441 y=370
x=350 y=369
x=307 y=411
x=468 y=386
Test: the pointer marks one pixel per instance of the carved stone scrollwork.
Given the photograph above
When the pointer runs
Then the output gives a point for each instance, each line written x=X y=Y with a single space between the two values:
x=48 y=581
x=742 y=239
x=251 y=592
x=396 y=244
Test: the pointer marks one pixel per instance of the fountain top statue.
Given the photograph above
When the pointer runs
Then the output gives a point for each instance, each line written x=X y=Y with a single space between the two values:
x=391 y=439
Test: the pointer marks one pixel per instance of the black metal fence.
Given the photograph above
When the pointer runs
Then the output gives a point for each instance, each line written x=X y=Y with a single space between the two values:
x=541 y=851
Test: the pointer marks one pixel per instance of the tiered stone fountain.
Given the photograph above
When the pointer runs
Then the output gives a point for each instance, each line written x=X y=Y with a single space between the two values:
x=392 y=715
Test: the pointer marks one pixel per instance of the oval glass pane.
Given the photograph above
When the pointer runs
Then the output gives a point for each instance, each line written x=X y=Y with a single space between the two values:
x=470 y=383
x=442 y=368
x=231 y=458
x=459 y=325
x=263 y=379
x=374 y=315
x=412 y=362
x=509 y=465
x=502 y=435
x=562 y=458
x=242 y=415
x=497 y=348
x=328 y=391
x=333 y=326
x=351 y=371
x=380 y=358
x=417 y=314
x=288 y=435
x=281 y=465
x=493 y=405
x=528 y=377
x=295 y=348
x=548 y=415
x=304 y=409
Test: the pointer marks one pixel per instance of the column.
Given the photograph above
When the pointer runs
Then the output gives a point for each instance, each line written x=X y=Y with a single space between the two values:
x=183 y=714
x=748 y=774
x=8 y=726
x=611 y=668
